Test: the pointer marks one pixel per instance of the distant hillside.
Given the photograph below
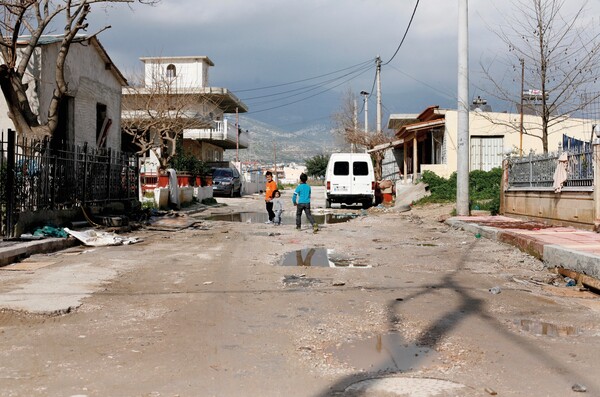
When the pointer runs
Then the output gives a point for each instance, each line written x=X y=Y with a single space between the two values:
x=289 y=146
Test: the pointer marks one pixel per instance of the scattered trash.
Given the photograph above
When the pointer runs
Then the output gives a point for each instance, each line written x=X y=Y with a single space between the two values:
x=97 y=239
x=207 y=282
x=338 y=284
x=579 y=388
x=489 y=391
x=477 y=235
x=570 y=282
x=50 y=231
x=495 y=290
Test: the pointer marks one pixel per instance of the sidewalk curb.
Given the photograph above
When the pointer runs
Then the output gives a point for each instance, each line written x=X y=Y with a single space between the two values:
x=552 y=255
x=15 y=252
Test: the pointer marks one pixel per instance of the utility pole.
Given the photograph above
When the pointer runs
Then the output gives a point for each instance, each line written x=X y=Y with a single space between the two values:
x=462 y=180
x=521 y=125
x=365 y=95
x=378 y=74
x=355 y=122
x=237 y=135
x=275 y=162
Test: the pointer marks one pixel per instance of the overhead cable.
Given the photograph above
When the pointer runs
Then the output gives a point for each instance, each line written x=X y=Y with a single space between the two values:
x=405 y=33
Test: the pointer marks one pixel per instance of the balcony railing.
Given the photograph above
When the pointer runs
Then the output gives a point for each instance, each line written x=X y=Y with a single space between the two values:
x=224 y=134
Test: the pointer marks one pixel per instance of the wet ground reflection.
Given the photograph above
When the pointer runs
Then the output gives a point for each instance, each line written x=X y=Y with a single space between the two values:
x=288 y=218
x=319 y=257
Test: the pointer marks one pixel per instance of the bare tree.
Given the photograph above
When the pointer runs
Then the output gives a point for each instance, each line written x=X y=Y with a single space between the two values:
x=22 y=24
x=354 y=133
x=560 y=57
x=156 y=114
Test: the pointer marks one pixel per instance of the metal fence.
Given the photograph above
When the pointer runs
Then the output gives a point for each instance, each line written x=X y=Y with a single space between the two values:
x=537 y=170
x=40 y=175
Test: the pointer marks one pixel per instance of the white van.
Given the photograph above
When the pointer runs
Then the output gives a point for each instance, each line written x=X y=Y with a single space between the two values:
x=350 y=179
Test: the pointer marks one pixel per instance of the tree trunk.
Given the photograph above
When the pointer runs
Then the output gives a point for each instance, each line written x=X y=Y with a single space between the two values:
x=378 y=161
x=19 y=111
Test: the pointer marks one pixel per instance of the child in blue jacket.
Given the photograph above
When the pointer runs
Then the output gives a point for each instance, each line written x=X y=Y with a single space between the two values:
x=301 y=200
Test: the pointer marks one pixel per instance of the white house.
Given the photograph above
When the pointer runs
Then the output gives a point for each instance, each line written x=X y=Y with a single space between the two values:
x=91 y=111
x=188 y=77
x=428 y=141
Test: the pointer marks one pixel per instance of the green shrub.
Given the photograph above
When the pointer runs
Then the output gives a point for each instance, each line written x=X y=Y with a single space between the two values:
x=484 y=189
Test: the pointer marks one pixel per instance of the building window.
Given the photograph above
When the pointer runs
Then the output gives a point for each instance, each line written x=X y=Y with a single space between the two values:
x=171 y=71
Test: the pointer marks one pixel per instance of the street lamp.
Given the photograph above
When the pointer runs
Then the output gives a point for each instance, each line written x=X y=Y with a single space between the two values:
x=365 y=94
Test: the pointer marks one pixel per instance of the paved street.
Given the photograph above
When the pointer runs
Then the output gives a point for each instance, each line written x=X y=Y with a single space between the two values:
x=209 y=310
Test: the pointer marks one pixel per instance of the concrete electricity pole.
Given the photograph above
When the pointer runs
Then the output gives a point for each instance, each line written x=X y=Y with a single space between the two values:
x=462 y=173
x=365 y=95
x=355 y=123
x=378 y=74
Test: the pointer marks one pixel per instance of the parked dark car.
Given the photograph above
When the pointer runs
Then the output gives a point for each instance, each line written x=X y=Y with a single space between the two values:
x=226 y=181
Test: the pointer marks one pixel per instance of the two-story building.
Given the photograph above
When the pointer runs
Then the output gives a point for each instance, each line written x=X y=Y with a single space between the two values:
x=208 y=131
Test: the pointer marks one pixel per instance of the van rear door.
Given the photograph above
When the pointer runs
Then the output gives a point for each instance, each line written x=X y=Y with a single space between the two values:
x=362 y=177
x=342 y=182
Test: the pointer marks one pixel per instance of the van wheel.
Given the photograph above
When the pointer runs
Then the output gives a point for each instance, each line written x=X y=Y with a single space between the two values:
x=366 y=204
x=327 y=203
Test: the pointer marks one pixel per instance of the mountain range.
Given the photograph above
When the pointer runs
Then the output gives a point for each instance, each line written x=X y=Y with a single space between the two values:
x=268 y=143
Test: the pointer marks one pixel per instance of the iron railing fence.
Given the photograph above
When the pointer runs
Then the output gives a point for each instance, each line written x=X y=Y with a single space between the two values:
x=537 y=170
x=43 y=175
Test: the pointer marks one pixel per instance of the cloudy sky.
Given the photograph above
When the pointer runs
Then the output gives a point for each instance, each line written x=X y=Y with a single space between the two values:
x=263 y=43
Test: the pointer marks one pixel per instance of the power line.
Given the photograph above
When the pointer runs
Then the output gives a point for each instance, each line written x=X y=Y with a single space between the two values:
x=308 y=97
x=306 y=88
x=405 y=33
x=306 y=79
x=443 y=93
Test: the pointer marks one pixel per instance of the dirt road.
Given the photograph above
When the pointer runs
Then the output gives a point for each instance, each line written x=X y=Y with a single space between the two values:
x=210 y=310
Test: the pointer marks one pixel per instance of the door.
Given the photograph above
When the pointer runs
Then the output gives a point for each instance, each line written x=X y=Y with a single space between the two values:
x=362 y=177
x=341 y=181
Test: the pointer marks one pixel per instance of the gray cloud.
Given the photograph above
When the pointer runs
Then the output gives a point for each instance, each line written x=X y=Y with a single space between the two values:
x=266 y=42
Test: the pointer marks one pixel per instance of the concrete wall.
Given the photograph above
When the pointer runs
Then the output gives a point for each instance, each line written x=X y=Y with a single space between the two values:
x=567 y=208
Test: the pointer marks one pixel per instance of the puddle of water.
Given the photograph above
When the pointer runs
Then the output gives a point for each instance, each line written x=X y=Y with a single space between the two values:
x=387 y=352
x=314 y=257
x=287 y=219
x=249 y=217
x=547 y=329
x=317 y=257
x=334 y=218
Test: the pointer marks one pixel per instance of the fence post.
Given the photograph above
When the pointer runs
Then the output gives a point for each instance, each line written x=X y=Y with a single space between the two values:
x=85 y=173
x=596 y=165
x=531 y=168
x=504 y=185
x=10 y=183
x=108 y=172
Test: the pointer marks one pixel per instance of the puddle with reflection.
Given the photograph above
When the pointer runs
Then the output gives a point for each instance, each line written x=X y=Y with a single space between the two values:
x=547 y=329
x=288 y=218
x=387 y=352
x=318 y=257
